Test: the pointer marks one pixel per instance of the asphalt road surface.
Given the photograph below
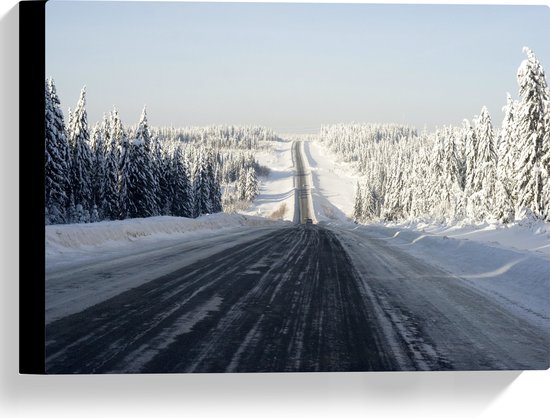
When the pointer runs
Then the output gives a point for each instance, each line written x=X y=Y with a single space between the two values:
x=289 y=301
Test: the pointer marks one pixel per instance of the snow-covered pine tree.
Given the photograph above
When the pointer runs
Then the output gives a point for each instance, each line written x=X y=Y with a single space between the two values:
x=214 y=190
x=98 y=171
x=216 y=193
x=485 y=167
x=533 y=130
x=393 y=208
x=110 y=206
x=452 y=172
x=201 y=183
x=157 y=161
x=405 y=194
x=460 y=143
x=419 y=181
x=473 y=183
x=119 y=136
x=81 y=163
x=505 y=197
x=141 y=185
x=165 y=181
x=57 y=152
x=371 y=205
x=358 y=205
x=251 y=188
x=182 y=202
x=438 y=194
x=241 y=184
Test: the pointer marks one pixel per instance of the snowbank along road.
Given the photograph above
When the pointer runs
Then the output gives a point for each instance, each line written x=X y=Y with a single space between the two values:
x=289 y=298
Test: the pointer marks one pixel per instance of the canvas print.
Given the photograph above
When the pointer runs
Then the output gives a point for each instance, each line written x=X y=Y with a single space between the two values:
x=279 y=187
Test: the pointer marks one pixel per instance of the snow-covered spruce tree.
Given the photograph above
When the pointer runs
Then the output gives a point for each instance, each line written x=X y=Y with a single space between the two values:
x=214 y=190
x=420 y=178
x=533 y=130
x=98 y=171
x=201 y=186
x=251 y=188
x=505 y=197
x=438 y=193
x=81 y=161
x=485 y=169
x=473 y=183
x=165 y=181
x=406 y=193
x=119 y=136
x=393 y=209
x=468 y=139
x=216 y=193
x=157 y=168
x=181 y=199
x=460 y=143
x=110 y=206
x=57 y=185
x=453 y=174
x=141 y=184
x=372 y=203
x=241 y=184
x=358 y=205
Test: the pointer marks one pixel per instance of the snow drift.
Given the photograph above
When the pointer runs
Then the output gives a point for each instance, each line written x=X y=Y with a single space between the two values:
x=64 y=238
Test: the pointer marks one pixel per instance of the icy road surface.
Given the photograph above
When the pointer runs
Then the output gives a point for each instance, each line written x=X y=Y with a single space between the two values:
x=287 y=301
x=291 y=300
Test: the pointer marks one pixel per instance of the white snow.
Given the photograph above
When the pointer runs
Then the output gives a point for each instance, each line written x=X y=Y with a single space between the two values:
x=276 y=197
x=333 y=183
x=525 y=235
x=67 y=244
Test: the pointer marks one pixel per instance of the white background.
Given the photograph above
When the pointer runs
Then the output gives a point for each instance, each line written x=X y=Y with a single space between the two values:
x=423 y=394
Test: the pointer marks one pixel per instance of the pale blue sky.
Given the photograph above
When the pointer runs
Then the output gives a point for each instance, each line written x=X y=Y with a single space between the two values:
x=291 y=67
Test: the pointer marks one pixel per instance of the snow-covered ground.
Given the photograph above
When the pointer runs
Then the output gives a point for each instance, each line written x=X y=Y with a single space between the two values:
x=333 y=184
x=276 y=198
x=72 y=244
x=524 y=235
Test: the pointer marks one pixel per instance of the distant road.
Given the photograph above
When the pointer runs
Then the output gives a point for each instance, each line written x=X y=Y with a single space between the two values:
x=302 y=183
